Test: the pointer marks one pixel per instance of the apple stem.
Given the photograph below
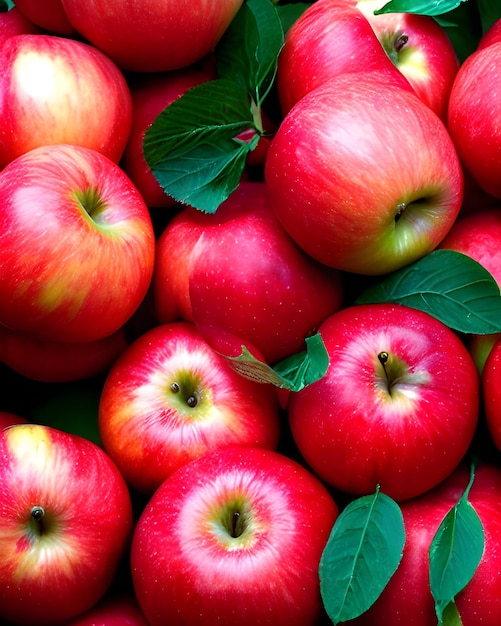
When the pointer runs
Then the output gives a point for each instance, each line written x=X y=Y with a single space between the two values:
x=235 y=531
x=383 y=359
x=38 y=514
x=400 y=211
x=401 y=41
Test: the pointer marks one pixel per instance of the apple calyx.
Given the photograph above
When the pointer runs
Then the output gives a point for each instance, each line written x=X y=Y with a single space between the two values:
x=185 y=390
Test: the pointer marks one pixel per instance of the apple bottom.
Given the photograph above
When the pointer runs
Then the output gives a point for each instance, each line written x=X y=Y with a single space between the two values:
x=233 y=537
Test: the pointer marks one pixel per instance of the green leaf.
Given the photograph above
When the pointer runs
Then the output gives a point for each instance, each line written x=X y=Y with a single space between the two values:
x=421 y=7
x=490 y=12
x=247 y=53
x=463 y=27
x=6 y=5
x=193 y=149
x=362 y=554
x=448 y=285
x=289 y=13
x=455 y=552
x=293 y=373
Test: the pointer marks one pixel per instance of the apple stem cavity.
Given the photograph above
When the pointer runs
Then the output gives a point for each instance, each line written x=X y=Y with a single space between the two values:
x=400 y=211
x=236 y=528
x=191 y=399
x=91 y=202
x=400 y=42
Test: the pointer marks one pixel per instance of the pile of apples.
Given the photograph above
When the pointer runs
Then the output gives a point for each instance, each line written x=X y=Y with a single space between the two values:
x=223 y=449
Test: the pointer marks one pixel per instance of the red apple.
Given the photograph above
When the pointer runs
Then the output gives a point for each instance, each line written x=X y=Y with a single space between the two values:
x=59 y=90
x=48 y=14
x=473 y=117
x=407 y=599
x=237 y=272
x=13 y=22
x=115 y=609
x=333 y=37
x=76 y=245
x=397 y=407
x=153 y=36
x=59 y=362
x=151 y=94
x=374 y=184
x=66 y=522
x=420 y=48
x=170 y=398
x=235 y=536
x=491 y=390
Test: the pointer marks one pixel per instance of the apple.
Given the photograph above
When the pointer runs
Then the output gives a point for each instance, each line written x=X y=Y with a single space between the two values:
x=13 y=22
x=333 y=37
x=59 y=362
x=170 y=398
x=398 y=405
x=66 y=523
x=151 y=94
x=155 y=36
x=374 y=184
x=77 y=245
x=473 y=117
x=47 y=14
x=491 y=391
x=60 y=90
x=237 y=273
x=234 y=536
x=7 y=418
x=115 y=609
x=407 y=599
x=420 y=48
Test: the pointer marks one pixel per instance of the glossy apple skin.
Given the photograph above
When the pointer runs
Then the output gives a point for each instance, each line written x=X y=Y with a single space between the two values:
x=237 y=272
x=150 y=430
x=88 y=522
x=188 y=569
x=491 y=390
x=155 y=36
x=67 y=276
x=13 y=22
x=336 y=36
x=355 y=434
x=473 y=117
x=151 y=94
x=59 y=362
x=427 y=59
x=48 y=14
x=59 y=90
x=407 y=599
x=115 y=609
x=408 y=187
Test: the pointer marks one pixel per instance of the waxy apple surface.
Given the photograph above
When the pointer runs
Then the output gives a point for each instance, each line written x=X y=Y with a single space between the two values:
x=60 y=90
x=473 y=117
x=76 y=245
x=237 y=273
x=397 y=407
x=333 y=37
x=170 y=398
x=234 y=536
x=66 y=522
x=373 y=185
x=153 y=36
x=47 y=14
